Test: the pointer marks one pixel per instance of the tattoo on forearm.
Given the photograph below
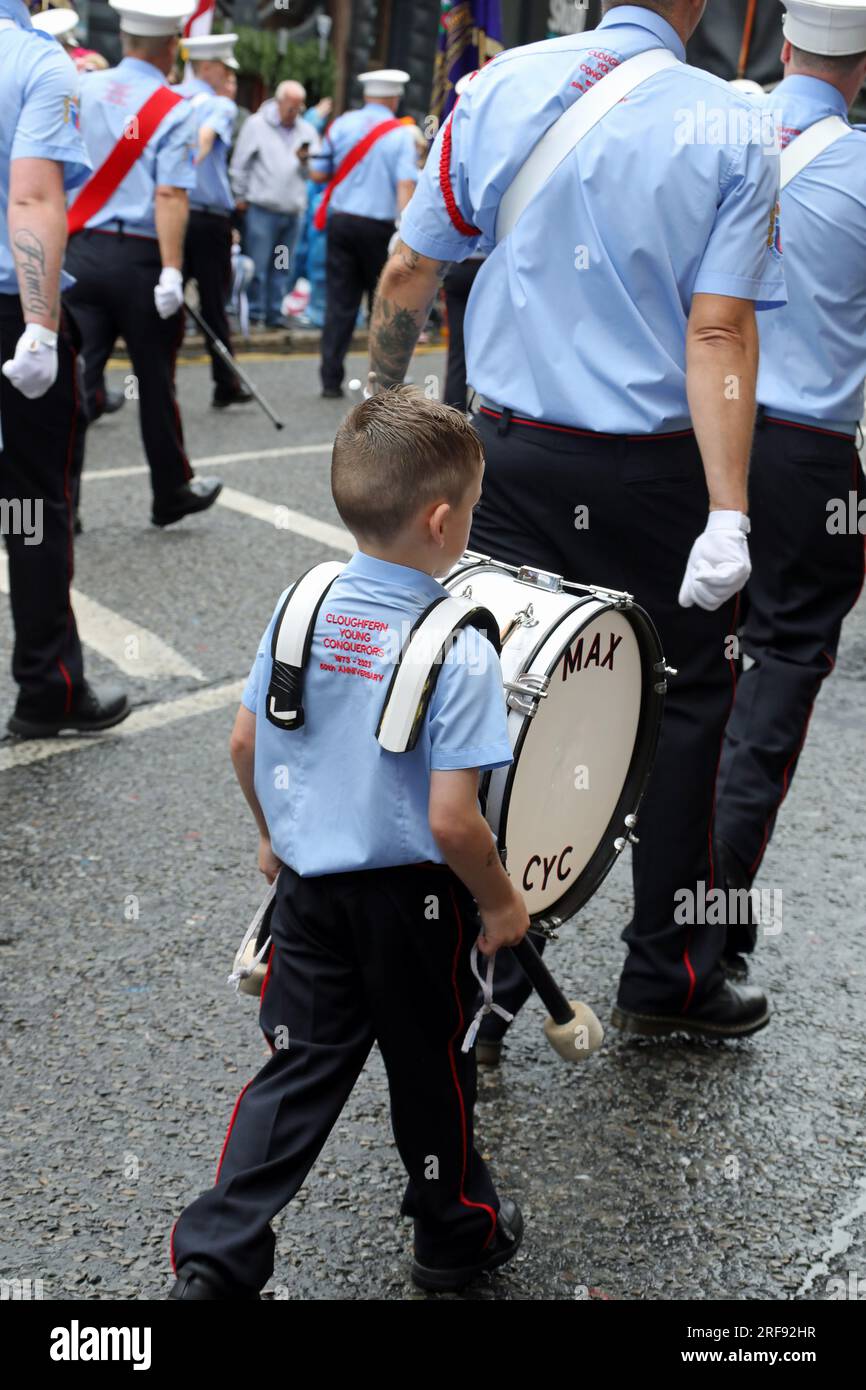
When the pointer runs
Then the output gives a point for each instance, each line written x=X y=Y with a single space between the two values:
x=30 y=263
x=491 y=858
x=394 y=333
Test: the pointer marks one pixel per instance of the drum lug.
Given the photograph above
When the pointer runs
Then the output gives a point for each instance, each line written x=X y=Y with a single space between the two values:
x=619 y=597
x=546 y=927
x=525 y=693
x=662 y=668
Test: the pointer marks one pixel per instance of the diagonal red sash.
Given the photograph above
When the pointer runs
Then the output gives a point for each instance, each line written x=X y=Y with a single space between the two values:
x=114 y=169
x=349 y=162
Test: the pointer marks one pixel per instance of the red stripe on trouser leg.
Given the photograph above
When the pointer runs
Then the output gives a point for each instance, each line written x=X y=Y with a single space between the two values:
x=464 y=1200
x=171 y=1250
x=229 y=1130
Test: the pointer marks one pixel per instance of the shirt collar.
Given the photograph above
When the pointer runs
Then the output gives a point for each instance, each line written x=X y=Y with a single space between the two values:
x=141 y=68
x=17 y=10
x=198 y=84
x=400 y=576
x=813 y=89
x=646 y=19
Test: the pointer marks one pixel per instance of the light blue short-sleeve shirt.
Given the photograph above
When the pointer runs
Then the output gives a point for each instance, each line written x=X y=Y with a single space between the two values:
x=333 y=798
x=370 y=190
x=212 y=187
x=39 y=116
x=109 y=101
x=813 y=352
x=579 y=316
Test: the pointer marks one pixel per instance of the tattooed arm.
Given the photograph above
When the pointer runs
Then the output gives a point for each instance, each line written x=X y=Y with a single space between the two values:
x=408 y=286
x=37 y=236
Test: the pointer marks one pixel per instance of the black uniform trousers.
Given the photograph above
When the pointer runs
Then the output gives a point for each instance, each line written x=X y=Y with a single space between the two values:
x=208 y=261
x=35 y=467
x=805 y=579
x=457 y=285
x=647 y=501
x=375 y=956
x=115 y=276
x=357 y=252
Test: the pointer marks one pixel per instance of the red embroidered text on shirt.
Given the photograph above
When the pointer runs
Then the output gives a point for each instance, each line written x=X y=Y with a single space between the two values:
x=592 y=73
x=351 y=645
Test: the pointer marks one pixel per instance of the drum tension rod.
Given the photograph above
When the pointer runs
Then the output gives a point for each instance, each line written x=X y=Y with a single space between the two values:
x=525 y=693
x=660 y=687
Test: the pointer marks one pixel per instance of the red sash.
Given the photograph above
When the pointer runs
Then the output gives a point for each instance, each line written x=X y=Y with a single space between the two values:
x=351 y=160
x=108 y=177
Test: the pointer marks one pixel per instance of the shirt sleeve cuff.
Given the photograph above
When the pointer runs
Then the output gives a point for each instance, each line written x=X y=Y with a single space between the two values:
x=767 y=294
x=490 y=756
x=457 y=248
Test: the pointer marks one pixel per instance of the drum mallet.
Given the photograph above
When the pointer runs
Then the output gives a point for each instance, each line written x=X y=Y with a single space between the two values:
x=572 y=1029
x=222 y=351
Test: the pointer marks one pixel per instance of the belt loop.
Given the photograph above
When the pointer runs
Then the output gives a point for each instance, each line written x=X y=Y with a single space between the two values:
x=760 y=417
x=120 y=228
x=504 y=421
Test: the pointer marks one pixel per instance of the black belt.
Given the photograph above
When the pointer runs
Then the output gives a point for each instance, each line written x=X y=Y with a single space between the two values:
x=507 y=417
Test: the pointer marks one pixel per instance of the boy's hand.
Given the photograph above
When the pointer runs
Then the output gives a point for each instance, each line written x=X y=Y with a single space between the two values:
x=503 y=926
x=269 y=864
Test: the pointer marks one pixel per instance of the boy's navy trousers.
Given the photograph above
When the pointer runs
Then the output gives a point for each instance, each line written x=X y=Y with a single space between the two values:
x=375 y=956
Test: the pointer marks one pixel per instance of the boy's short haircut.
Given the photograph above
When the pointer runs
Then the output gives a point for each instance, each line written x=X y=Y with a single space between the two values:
x=394 y=454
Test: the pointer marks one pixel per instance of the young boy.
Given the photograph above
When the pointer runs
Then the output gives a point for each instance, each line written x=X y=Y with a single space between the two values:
x=380 y=860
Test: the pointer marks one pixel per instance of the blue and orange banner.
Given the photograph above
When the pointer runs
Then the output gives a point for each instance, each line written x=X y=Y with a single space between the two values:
x=470 y=34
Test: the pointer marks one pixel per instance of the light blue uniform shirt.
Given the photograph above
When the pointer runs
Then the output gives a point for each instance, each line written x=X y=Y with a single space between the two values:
x=579 y=316
x=212 y=187
x=109 y=100
x=333 y=798
x=813 y=352
x=38 y=116
x=371 y=188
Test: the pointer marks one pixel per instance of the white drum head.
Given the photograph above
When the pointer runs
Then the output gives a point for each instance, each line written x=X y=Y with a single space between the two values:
x=574 y=760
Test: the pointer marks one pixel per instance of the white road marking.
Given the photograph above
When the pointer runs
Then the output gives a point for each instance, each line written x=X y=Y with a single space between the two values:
x=134 y=650
x=839 y=1242
x=214 y=460
x=26 y=751
x=286 y=519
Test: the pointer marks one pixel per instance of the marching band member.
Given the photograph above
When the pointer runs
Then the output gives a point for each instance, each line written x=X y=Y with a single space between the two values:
x=126 y=239
x=611 y=336
x=370 y=166
x=208 y=254
x=807 y=564
x=374 y=919
x=41 y=156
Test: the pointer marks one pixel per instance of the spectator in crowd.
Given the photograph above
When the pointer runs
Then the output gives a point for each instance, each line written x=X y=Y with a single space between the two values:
x=269 y=180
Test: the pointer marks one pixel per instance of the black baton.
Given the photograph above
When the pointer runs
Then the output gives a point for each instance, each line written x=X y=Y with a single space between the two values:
x=223 y=352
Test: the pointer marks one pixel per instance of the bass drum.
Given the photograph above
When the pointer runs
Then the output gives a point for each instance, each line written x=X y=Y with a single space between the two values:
x=584 y=680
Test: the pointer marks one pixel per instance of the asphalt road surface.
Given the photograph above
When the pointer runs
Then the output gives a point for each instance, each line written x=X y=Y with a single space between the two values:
x=665 y=1170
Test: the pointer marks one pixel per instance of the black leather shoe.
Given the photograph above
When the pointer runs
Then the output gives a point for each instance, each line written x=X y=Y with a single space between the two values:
x=332 y=393
x=731 y=1011
x=92 y=710
x=114 y=400
x=195 y=496
x=224 y=396
x=735 y=966
x=198 y=1280
x=505 y=1244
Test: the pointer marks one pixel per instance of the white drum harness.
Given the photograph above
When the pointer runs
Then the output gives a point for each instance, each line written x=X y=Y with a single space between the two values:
x=415 y=672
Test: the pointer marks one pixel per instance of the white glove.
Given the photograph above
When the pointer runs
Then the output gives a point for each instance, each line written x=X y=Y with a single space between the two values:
x=719 y=563
x=168 y=293
x=33 y=369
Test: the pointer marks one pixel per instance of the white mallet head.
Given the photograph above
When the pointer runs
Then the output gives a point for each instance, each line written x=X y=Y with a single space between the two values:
x=575 y=1040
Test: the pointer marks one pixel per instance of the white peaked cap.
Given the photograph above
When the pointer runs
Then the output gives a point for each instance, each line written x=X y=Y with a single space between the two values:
x=152 y=18
x=463 y=83
x=57 y=22
x=830 y=27
x=218 y=47
x=385 y=82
